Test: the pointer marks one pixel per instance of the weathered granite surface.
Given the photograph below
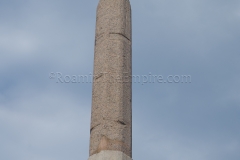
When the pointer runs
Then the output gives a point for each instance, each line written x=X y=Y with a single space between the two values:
x=111 y=121
x=110 y=155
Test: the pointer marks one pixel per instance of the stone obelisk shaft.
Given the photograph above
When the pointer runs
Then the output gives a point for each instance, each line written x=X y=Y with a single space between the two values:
x=111 y=121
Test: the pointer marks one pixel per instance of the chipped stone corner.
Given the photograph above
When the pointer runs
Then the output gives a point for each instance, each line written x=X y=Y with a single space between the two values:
x=110 y=155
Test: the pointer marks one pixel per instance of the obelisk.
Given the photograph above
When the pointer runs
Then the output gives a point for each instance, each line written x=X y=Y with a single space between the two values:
x=111 y=117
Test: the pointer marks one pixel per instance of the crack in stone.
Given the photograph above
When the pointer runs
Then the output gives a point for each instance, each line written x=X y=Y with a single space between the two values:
x=121 y=122
x=121 y=35
x=99 y=76
x=94 y=127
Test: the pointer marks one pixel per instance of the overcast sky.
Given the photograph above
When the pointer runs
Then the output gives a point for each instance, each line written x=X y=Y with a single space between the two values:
x=41 y=119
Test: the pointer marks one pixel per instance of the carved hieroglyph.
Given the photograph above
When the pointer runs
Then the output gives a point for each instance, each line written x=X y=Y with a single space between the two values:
x=111 y=121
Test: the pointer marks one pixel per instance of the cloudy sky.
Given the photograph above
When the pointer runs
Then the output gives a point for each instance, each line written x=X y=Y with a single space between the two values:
x=41 y=119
